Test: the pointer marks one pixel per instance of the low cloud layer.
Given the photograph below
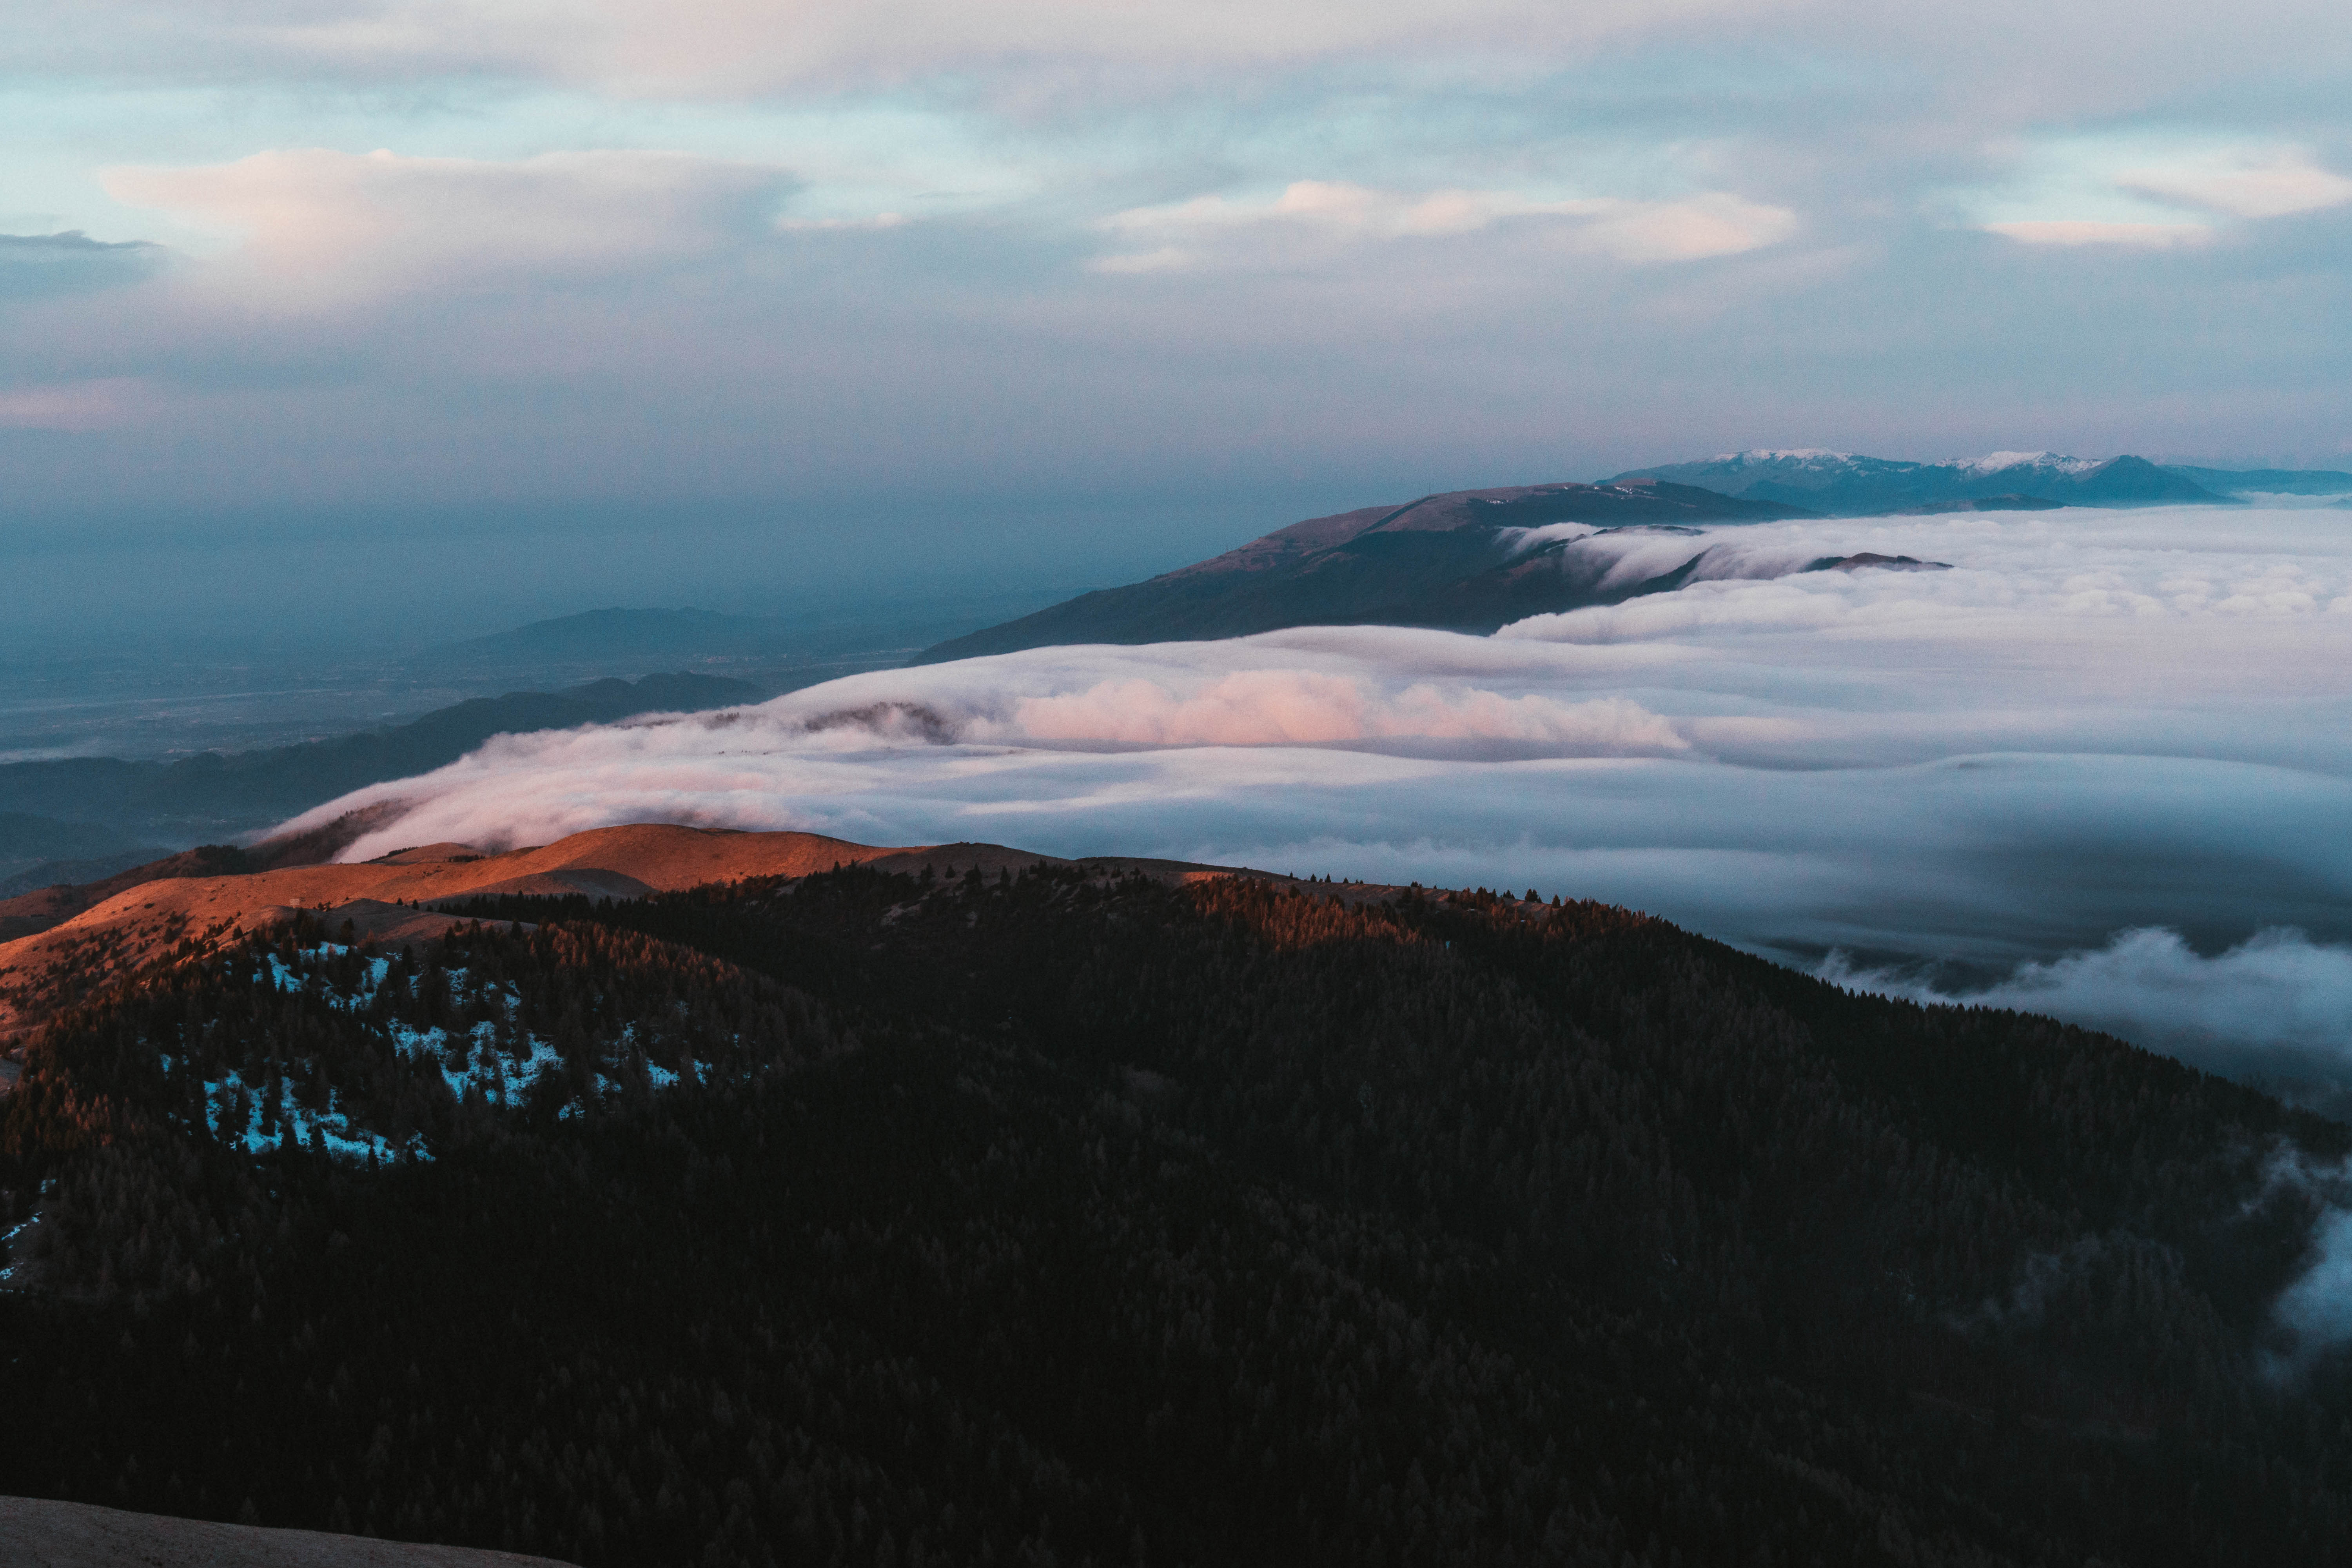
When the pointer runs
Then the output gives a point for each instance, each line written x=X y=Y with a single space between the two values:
x=2093 y=723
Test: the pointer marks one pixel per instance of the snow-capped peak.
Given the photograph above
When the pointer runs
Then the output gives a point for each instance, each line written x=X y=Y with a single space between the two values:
x=1784 y=455
x=1995 y=462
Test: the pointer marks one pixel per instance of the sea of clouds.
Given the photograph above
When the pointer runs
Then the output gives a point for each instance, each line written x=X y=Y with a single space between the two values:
x=2101 y=767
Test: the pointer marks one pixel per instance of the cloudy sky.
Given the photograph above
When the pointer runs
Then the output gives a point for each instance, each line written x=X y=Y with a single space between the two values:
x=1104 y=286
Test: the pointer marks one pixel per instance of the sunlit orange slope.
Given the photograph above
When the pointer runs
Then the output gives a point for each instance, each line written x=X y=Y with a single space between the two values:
x=146 y=923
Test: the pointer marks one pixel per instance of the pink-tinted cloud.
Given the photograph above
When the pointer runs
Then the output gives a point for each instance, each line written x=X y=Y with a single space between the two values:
x=1293 y=707
x=318 y=226
x=1318 y=216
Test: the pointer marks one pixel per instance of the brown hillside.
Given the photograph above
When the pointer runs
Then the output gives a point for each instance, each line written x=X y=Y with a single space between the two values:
x=122 y=930
x=44 y=908
x=157 y=921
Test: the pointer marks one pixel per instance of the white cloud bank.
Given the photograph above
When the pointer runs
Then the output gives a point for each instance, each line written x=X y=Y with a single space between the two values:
x=2093 y=723
x=2097 y=194
x=2272 y=184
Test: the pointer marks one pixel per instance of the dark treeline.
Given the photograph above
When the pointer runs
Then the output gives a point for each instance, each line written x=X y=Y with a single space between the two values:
x=1041 y=1219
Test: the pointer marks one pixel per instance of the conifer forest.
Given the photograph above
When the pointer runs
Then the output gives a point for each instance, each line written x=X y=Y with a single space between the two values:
x=1069 y=1217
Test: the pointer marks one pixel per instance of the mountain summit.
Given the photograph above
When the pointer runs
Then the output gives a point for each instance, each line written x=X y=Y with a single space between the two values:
x=1845 y=483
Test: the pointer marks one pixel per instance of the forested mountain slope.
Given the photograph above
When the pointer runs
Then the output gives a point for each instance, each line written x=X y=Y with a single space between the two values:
x=1069 y=1217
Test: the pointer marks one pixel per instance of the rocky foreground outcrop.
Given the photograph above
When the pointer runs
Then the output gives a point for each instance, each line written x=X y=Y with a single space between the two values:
x=37 y=1534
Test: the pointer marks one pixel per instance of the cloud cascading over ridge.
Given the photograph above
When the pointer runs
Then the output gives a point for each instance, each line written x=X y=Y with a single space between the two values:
x=2093 y=723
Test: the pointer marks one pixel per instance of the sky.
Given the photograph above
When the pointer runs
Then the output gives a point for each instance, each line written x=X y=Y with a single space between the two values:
x=2098 y=766
x=442 y=311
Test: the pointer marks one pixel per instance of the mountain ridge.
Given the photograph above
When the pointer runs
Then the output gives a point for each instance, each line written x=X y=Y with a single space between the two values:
x=1851 y=484
x=67 y=945
x=1467 y=560
x=1477 y=559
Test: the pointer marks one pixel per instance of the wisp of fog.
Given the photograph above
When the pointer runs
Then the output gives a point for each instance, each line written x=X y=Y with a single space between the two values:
x=2101 y=766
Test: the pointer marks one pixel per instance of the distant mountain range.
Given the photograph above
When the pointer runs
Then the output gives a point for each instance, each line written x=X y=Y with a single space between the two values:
x=1845 y=484
x=2267 y=481
x=1470 y=560
x=779 y=652
x=1467 y=559
x=637 y=634
x=1842 y=483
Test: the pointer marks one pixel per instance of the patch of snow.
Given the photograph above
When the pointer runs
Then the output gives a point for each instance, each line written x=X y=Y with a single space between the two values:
x=8 y=1251
x=501 y=1078
x=331 y=1132
x=2051 y=462
x=487 y=1066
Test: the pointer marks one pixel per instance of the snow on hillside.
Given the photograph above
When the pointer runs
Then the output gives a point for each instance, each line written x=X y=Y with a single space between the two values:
x=493 y=1060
